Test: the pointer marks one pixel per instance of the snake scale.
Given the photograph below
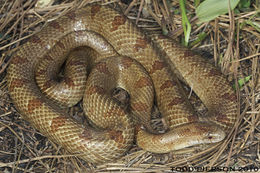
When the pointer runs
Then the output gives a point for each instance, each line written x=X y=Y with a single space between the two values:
x=141 y=65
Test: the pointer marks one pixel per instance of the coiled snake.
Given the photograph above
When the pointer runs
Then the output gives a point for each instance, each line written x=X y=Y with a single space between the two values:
x=110 y=33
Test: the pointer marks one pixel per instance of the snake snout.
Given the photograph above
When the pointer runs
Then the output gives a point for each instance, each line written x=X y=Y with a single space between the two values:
x=215 y=134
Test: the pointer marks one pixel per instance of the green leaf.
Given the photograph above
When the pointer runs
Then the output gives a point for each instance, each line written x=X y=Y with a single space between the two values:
x=196 y=3
x=253 y=24
x=210 y=9
x=201 y=37
x=244 y=4
x=242 y=82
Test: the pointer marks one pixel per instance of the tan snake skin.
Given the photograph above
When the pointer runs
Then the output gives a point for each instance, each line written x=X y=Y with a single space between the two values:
x=110 y=33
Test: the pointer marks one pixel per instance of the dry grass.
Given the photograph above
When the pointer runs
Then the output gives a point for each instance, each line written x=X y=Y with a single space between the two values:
x=235 y=50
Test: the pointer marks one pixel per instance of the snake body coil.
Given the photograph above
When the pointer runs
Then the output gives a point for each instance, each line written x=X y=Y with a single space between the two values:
x=110 y=34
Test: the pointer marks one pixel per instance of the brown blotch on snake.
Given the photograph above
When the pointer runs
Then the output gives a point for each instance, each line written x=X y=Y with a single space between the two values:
x=57 y=123
x=95 y=89
x=61 y=45
x=35 y=39
x=34 y=104
x=157 y=65
x=56 y=26
x=188 y=53
x=116 y=136
x=102 y=68
x=231 y=97
x=140 y=44
x=176 y=101
x=69 y=81
x=86 y=135
x=16 y=83
x=139 y=106
x=71 y=15
x=168 y=84
x=143 y=82
x=19 y=60
x=127 y=62
x=94 y=10
x=118 y=21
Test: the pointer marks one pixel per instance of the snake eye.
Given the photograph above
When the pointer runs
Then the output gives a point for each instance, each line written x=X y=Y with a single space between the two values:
x=210 y=137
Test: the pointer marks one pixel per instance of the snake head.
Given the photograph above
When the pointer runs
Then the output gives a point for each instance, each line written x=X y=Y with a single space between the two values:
x=204 y=133
x=181 y=137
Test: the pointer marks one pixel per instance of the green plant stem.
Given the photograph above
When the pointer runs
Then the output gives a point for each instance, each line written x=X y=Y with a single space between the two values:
x=185 y=22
